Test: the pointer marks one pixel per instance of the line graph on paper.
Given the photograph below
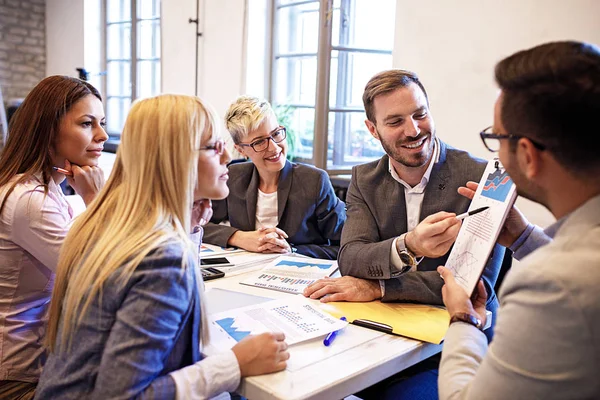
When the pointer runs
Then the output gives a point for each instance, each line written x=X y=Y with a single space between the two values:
x=467 y=260
x=479 y=232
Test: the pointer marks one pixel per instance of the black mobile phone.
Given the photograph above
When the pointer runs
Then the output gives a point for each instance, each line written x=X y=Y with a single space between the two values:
x=221 y=261
x=211 y=273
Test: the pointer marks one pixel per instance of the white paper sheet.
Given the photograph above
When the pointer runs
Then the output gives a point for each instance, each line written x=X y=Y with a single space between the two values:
x=295 y=316
x=291 y=274
x=479 y=232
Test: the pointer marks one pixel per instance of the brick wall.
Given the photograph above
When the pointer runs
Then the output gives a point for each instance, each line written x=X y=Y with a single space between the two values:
x=22 y=46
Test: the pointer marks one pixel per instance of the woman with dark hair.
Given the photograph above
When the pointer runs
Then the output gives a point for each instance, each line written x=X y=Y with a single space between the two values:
x=59 y=124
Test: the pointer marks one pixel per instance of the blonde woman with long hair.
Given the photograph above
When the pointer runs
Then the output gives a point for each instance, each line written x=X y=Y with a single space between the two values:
x=59 y=124
x=127 y=312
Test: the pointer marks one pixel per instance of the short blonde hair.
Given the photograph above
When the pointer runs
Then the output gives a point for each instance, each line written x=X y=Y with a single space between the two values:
x=246 y=114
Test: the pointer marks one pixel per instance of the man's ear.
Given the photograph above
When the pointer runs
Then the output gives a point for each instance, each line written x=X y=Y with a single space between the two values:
x=372 y=129
x=530 y=158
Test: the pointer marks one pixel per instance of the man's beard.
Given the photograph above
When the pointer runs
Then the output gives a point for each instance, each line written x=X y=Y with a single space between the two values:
x=410 y=160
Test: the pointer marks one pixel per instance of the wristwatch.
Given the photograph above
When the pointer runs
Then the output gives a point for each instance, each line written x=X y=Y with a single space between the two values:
x=468 y=318
x=408 y=259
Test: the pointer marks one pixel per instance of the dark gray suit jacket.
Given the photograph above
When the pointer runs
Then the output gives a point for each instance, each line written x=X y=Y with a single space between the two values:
x=376 y=210
x=308 y=209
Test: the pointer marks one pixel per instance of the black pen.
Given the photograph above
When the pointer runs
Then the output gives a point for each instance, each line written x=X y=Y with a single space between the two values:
x=469 y=213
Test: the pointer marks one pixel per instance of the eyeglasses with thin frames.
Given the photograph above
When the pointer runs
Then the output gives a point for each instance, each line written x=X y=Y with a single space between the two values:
x=489 y=139
x=218 y=147
x=260 y=145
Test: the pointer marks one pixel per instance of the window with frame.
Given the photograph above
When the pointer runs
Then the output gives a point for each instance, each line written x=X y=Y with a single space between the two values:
x=323 y=52
x=132 y=55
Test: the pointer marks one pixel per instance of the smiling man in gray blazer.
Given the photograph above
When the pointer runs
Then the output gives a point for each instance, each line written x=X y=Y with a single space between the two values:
x=401 y=209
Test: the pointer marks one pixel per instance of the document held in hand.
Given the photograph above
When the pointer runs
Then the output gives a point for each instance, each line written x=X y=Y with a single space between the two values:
x=479 y=232
x=291 y=274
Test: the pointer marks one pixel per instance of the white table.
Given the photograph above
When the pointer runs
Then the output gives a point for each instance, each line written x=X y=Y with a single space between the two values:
x=331 y=376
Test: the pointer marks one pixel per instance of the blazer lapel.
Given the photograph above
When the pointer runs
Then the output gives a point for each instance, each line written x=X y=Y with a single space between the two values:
x=251 y=198
x=283 y=188
x=437 y=185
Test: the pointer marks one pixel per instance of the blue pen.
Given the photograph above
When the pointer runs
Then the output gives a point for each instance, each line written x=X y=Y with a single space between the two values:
x=329 y=338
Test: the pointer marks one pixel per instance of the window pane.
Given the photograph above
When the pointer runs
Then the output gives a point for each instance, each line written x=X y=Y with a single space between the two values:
x=149 y=39
x=118 y=78
x=148 y=8
x=148 y=78
x=350 y=72
x=296 y=80
x=118 y=41
x=116 y=111
x=118 y=10
x=300 y=124
x=353 y=24
x=284 y=2
x=298 y=29
x=349 y=141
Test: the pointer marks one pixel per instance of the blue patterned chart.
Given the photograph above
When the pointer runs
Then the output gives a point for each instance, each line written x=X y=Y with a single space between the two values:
x=227 y=325
x=497 y=185
x=303 y=264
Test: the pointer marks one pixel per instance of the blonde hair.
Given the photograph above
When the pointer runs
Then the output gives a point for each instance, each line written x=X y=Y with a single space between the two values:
x=145 y=204
x=246 y=114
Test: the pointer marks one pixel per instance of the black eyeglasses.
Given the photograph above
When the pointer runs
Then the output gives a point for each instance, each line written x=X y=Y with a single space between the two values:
x=491 y=140
x=218 y=147
x=259 y=145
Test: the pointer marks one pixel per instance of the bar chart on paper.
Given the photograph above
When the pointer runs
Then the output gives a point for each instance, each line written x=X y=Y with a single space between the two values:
x=497 y=185
x=294 y=316
x=479 y=232
x=291 y=274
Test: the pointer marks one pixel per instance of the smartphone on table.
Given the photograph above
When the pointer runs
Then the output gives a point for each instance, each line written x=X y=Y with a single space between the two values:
x=215 y=262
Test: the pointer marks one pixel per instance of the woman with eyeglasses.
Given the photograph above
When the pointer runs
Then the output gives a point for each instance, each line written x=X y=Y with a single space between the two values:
x=127 y=317
x=274 y=205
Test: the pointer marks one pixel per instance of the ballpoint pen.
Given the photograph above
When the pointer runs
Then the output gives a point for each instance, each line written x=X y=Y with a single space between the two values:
x=329 y=338
x=469 y=213
x=63 y=171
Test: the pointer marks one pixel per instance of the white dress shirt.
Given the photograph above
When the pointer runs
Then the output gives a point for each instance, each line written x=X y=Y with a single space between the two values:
x=414 y=200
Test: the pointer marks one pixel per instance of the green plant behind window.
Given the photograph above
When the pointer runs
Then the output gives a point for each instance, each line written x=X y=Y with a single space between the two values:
x=285 y=116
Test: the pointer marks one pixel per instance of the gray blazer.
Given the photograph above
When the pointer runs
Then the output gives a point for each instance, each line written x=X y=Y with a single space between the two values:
x=376 y=210
x=127 y=344
x=308 y=209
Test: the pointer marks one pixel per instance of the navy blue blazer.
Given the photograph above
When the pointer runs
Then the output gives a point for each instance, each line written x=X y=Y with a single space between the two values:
x=127 y=344
x=308 y=209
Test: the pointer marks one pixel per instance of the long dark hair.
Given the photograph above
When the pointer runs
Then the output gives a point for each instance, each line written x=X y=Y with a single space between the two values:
x=34 y=126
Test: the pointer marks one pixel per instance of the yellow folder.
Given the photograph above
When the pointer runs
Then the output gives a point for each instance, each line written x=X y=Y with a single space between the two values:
x=416 y=321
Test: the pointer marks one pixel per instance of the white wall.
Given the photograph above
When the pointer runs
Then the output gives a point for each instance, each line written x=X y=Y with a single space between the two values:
x=454 y=45
x=220 y=48
x=64 y=37
x=221 y=72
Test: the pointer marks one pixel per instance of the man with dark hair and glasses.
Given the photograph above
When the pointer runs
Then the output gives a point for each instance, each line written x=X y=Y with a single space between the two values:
x=547 y=339
x=274 y=205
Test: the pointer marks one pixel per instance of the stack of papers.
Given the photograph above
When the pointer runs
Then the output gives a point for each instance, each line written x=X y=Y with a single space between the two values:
x=291 y=274
x=243 y=261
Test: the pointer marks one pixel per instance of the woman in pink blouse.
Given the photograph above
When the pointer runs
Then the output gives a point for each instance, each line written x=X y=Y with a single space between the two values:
x=60 y=124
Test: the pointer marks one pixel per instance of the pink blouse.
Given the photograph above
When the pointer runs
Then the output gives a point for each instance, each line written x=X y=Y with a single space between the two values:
x=33 y=226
